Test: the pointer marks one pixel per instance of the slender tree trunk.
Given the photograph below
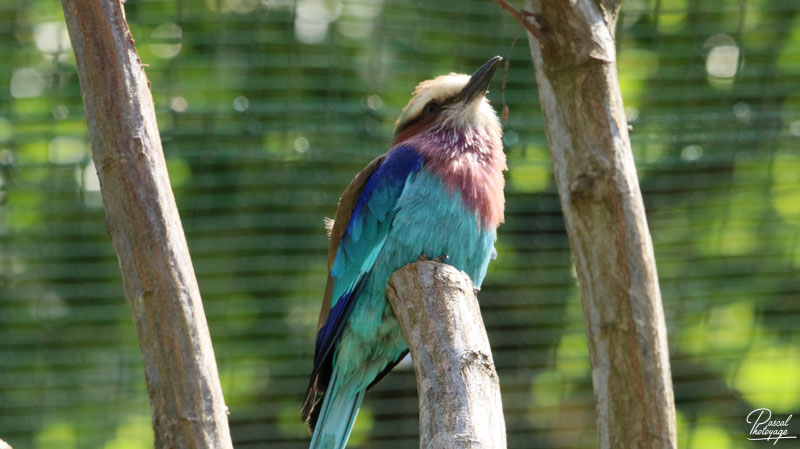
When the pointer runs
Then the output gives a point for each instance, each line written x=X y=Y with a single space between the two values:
x=142 y=219
x=458 y=387
x=572 y=46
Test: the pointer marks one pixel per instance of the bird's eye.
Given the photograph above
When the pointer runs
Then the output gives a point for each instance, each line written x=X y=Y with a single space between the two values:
x=431 y=107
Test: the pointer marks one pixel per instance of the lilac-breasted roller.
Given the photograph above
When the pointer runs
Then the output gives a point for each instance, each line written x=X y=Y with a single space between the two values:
x=437 y=192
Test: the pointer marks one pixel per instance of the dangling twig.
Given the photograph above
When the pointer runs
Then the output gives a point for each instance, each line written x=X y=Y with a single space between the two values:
x=505 y=73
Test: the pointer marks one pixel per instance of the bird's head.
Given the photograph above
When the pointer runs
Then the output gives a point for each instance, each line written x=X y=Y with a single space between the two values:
x=454 y=102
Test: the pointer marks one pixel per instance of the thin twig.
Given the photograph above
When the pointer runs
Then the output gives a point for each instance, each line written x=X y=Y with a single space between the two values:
x=522 y=18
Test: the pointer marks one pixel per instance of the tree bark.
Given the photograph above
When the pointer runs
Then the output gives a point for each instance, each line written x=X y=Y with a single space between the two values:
x=142 y=219
x=572 y=46
x=458 y=387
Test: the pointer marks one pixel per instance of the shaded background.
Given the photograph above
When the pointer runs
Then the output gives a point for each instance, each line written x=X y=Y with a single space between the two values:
x=268 y=108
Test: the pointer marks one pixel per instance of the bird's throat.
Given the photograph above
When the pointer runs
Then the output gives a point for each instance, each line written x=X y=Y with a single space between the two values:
x=470 y=162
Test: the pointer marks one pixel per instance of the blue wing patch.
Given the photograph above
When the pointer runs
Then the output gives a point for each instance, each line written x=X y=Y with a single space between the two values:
x=370 y=221
x=382 y=190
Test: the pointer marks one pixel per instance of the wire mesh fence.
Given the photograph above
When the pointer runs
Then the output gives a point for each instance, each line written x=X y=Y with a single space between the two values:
x=268 y=108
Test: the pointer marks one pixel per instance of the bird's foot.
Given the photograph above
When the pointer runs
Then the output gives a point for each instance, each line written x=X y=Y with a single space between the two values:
x=441 y=259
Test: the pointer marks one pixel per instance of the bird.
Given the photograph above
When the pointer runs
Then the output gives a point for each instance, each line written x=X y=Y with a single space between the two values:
x=436 y=194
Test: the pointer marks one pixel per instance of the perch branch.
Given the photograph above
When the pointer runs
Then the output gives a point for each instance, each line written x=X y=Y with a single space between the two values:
x=142 y=220
x=458 y=387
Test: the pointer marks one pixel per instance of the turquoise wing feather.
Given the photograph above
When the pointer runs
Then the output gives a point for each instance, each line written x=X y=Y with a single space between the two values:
x=357 y=246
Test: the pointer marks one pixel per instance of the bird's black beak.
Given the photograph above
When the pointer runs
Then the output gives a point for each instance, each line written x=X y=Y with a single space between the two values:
x=479 y=81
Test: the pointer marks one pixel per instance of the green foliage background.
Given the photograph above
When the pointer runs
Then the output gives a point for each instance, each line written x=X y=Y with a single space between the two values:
x=268 y=108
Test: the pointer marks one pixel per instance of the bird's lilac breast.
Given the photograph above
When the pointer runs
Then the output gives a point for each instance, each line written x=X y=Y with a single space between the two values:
x=469 y=162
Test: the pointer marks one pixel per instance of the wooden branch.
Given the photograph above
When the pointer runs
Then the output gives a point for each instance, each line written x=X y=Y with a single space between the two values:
x=458 y=387
x=142 y=219
x=587 y=133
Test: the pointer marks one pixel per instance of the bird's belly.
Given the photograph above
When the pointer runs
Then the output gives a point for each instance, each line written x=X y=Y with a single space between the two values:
x=429 y=220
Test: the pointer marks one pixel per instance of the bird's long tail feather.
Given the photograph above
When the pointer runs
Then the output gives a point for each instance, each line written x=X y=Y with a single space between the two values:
x=337 y=415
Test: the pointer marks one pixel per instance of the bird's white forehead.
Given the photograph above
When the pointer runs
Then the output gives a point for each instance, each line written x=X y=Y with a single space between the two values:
x=439 y=89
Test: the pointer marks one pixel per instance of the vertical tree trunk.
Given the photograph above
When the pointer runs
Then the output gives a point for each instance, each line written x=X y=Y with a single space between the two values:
x=142 y=219
x=572 y=46
x=458 y=387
